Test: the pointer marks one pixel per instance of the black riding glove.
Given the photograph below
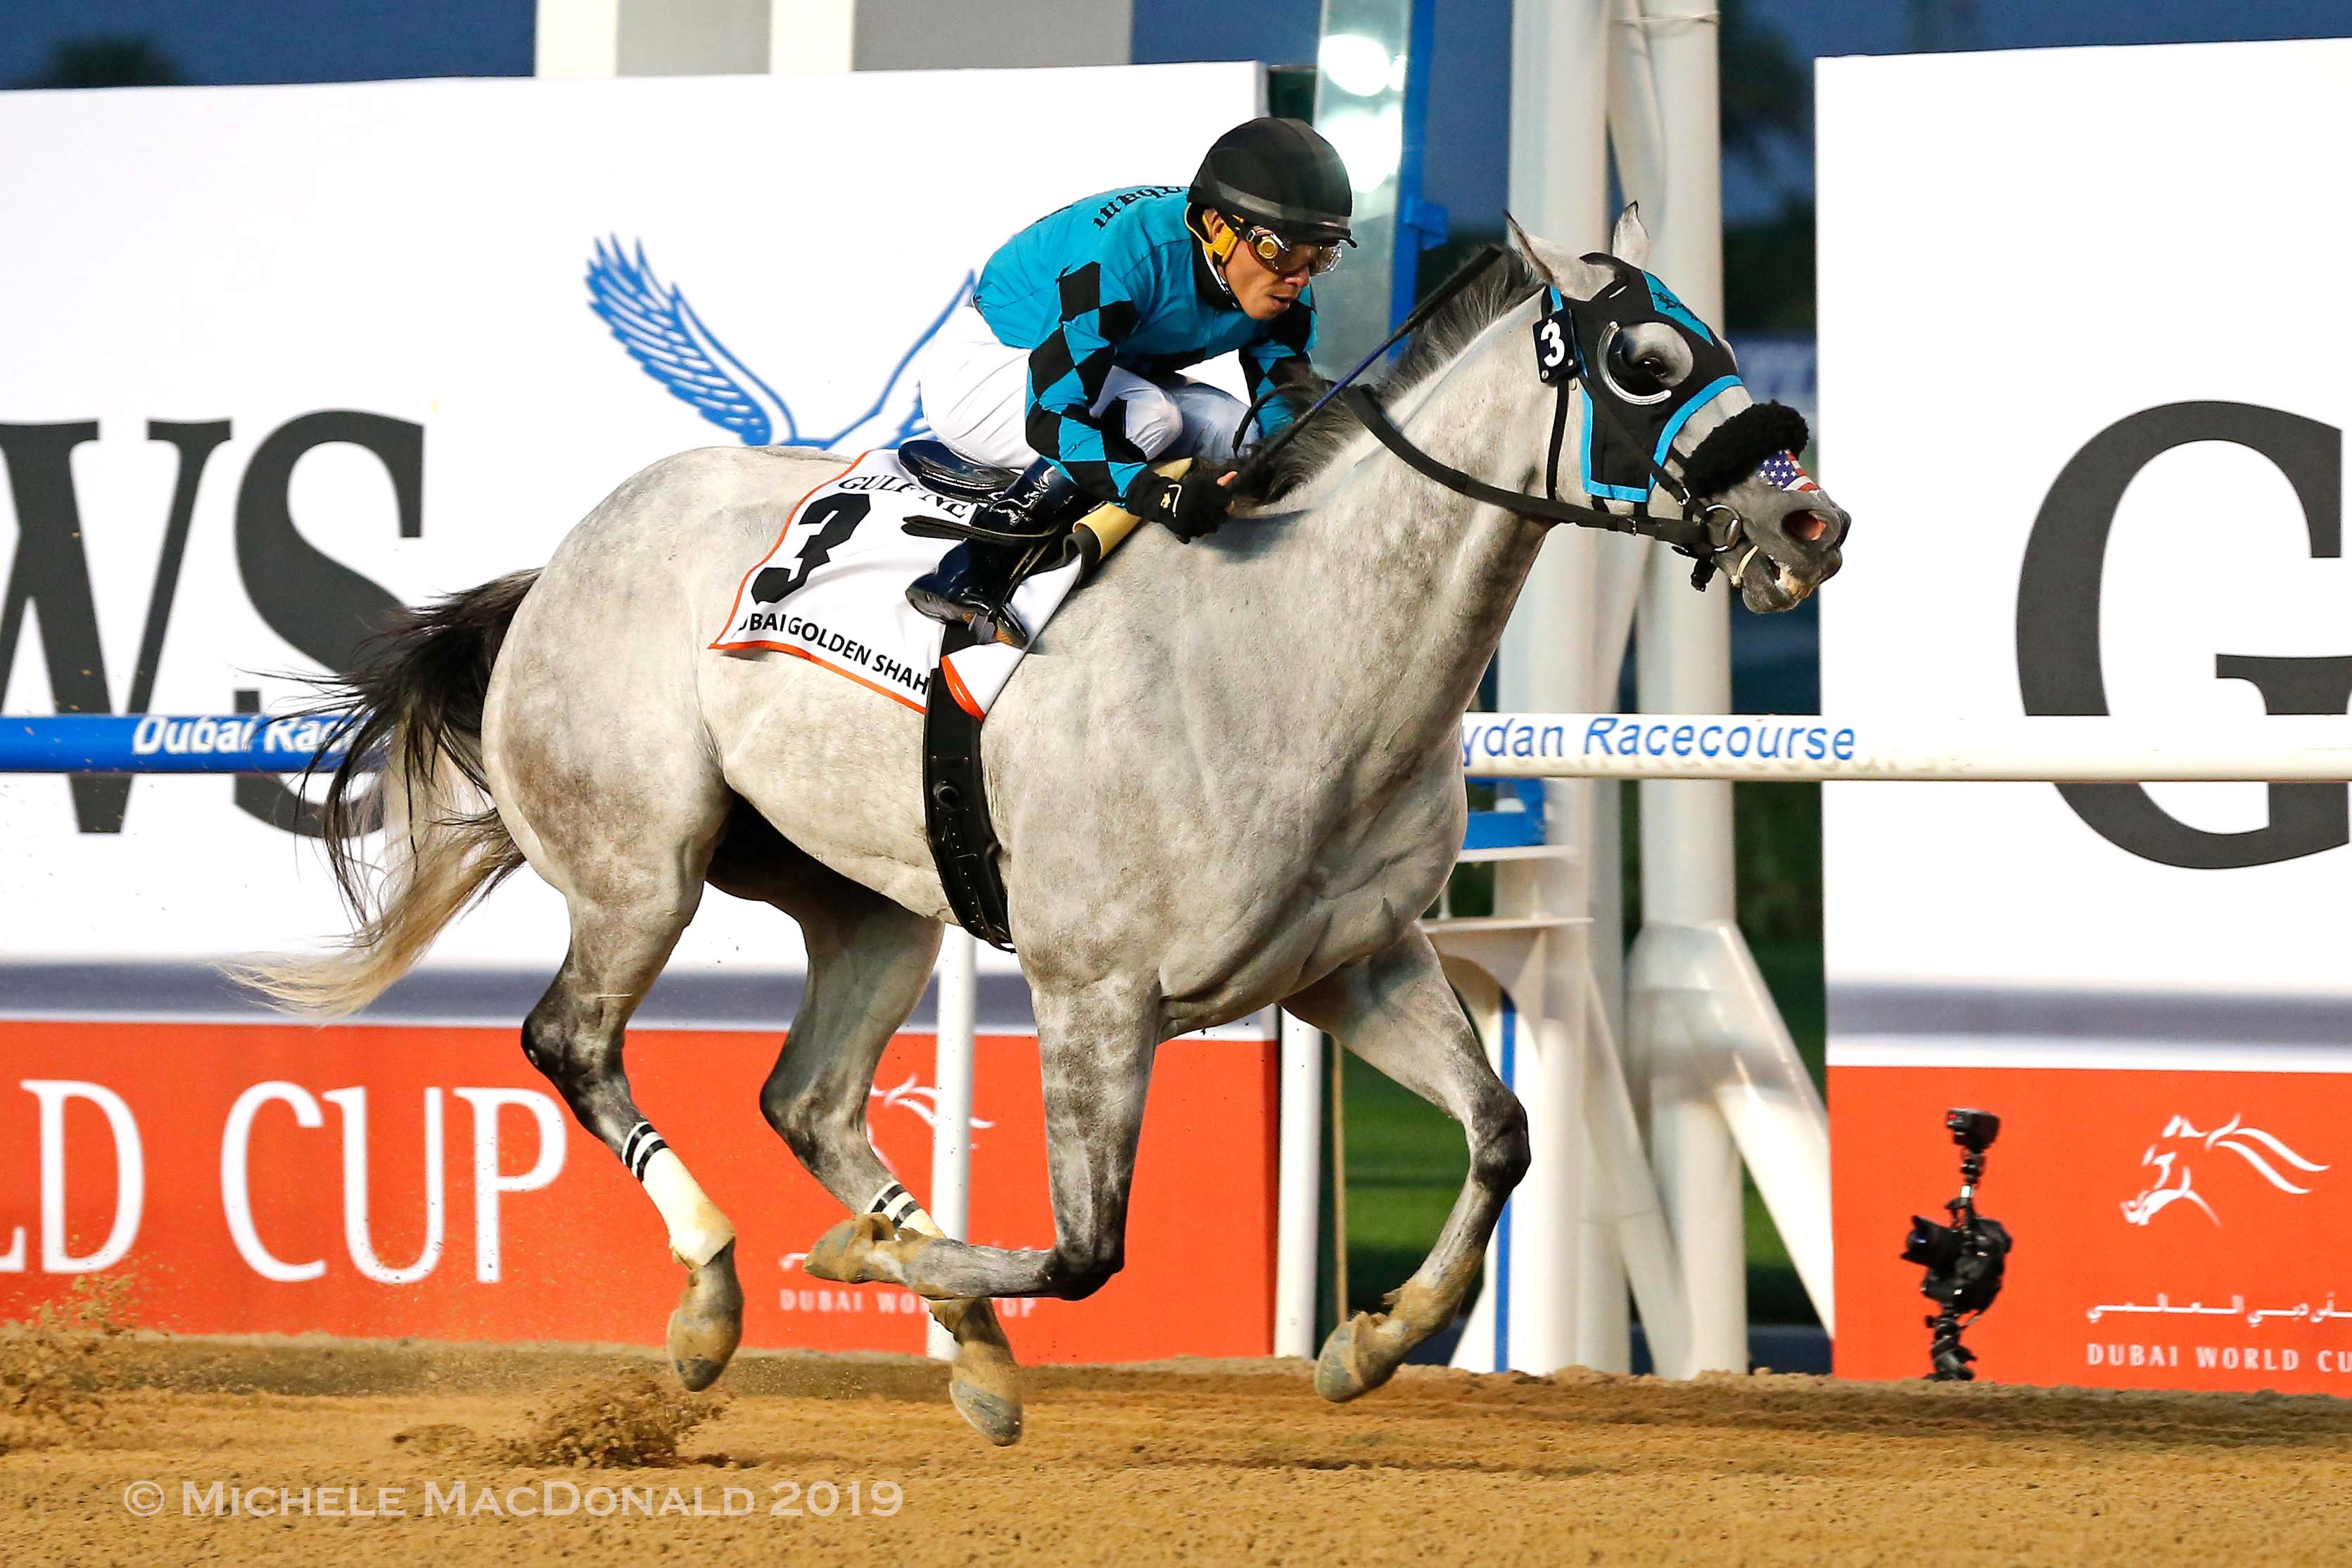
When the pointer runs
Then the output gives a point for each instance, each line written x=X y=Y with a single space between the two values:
x=1193 y=505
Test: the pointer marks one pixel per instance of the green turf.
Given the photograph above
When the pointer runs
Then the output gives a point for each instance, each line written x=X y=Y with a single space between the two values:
x=1406 y=1162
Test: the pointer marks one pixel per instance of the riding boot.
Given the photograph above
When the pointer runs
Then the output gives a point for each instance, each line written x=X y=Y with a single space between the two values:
x=974 y=582
x=970 y=587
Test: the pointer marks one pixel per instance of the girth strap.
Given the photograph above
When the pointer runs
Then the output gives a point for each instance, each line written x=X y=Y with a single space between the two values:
x=955 y=809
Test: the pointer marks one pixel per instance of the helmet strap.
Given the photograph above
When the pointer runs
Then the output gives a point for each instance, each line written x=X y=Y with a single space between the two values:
x=1218 y=251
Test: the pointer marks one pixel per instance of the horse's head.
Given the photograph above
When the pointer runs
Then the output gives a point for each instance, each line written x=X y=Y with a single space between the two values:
x=1663 y=409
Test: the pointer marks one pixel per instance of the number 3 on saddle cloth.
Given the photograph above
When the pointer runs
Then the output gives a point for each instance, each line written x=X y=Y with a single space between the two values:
x=833 y=590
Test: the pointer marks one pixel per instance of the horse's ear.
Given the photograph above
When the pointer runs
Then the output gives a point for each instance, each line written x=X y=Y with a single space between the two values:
x=1576 y=278
x=1631 y=242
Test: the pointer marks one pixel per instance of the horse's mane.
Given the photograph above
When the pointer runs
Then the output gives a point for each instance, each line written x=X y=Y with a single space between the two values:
x=1442 y=337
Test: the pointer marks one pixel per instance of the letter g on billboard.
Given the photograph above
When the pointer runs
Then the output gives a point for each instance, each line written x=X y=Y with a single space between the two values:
x=2058 y=593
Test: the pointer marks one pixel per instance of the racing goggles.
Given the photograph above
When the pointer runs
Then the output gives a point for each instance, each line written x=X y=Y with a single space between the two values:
x=1281 y=257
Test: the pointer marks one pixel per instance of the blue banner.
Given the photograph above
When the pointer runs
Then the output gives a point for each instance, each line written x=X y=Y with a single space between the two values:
x=160 y=743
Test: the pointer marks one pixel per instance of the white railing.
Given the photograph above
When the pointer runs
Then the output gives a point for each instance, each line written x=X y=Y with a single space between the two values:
x=2285 y=748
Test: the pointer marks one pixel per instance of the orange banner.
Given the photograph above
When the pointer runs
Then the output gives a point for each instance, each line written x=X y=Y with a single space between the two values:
x=409 y=1181
x=2173 y=1230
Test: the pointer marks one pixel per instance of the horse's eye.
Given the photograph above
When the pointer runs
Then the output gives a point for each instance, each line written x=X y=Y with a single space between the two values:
x=1642 y=375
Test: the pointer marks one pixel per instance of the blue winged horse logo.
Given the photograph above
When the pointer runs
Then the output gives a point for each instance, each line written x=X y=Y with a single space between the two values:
x=669 y=341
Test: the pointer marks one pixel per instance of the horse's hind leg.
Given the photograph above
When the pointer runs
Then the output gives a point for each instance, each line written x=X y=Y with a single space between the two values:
x=576 y=1036
x=1396 y=1011
x=869 y=960
x=625 y=840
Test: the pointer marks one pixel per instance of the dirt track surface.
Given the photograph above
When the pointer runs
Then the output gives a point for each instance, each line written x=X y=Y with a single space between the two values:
x=1207 y=1462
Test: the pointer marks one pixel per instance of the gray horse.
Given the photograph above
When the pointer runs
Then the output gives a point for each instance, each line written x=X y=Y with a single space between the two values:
x=1227 y=777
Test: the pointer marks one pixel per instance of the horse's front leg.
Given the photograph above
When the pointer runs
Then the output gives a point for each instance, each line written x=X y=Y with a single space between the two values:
x=1396 y=1011
x=1097 y=1047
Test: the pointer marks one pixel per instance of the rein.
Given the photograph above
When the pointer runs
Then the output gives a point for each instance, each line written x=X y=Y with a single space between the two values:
x=1698 y=538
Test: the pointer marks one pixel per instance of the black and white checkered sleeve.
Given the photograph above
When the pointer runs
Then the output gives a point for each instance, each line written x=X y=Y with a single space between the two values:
x=1068 y=372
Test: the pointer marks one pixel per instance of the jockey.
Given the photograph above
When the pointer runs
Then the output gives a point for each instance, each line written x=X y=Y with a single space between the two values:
x=1065 y=364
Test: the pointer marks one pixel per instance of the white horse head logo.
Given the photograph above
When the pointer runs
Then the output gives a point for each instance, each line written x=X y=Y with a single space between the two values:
x=2168 y=1157
x=922 y=1100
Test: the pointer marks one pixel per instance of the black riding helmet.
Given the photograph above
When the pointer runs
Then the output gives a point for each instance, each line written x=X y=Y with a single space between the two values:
x=1280 y=173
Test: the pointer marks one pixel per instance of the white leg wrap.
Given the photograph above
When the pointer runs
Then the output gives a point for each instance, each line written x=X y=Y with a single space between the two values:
x=698 y=1232
x=896 y=1204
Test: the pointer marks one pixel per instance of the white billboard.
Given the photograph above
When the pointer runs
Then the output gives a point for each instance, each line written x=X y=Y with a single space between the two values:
x=2082 y=331
x=2083 y=334
x=280 y=357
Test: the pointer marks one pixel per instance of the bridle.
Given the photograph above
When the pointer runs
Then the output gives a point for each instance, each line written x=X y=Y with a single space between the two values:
x=1564 y=362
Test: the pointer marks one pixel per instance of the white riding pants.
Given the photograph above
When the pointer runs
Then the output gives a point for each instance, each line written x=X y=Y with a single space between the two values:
x=975 y=393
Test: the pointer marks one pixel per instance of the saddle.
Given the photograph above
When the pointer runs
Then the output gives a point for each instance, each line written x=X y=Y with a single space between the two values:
x=939 y=467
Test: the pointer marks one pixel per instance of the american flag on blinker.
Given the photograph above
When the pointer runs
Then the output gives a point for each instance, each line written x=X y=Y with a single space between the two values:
x=1782 y=471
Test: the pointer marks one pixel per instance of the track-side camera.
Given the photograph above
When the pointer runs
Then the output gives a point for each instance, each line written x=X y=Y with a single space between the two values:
x=1964 y=1259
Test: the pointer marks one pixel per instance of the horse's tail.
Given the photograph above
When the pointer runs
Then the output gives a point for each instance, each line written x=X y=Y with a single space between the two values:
x=415 y=705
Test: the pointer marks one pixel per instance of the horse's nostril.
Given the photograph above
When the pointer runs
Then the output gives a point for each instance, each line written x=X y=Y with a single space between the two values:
x=1810 y=526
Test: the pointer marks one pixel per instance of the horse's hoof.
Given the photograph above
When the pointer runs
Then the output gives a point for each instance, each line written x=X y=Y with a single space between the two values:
x=707 y=1324
x=994 y=1417
x=984 y=1381
x=1342 y=1372
x=840 y=1253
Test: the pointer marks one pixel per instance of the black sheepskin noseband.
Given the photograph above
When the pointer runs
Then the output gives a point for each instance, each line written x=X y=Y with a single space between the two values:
x=1733 y=449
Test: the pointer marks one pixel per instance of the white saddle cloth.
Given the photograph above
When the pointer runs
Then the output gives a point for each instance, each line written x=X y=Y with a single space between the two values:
x=833 y=591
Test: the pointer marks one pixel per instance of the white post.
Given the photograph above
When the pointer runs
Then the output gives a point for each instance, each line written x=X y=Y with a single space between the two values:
x=1605 y=1339
x=1563 y=1312
x=1298 y=1240
x=1559 y=155
x=1527 y=1319
x=1686 y=666
x=951 y=1076
x=1604 y=1329
x=1558 y=191
x=1617 y=590
x=1567 y=1291
x=651 y=37
x=577 y=38
x=1644 y=1245
x=1547 y=1208
x=812 y=38
x=1697 y=1169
